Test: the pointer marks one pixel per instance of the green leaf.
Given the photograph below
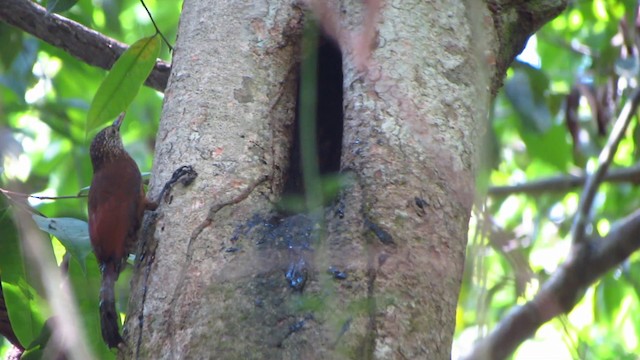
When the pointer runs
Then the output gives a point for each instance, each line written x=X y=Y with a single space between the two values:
x=123 y=82
x=11 y=39
x=291 y=204
x=58 y=6
x=332 y=184
x=22 y=303
x=35 y=351
x=551 y=147
x=526 y=90
x=608 y=297
x=21 y=299
x=19 y=77
x=72 y=233
x=631 y=273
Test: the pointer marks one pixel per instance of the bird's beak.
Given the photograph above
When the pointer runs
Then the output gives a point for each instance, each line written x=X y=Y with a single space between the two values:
x=119 y=120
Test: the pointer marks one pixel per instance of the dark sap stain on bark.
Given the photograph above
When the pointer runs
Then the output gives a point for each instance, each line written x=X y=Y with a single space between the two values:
x=291 y=237
x=379 y=232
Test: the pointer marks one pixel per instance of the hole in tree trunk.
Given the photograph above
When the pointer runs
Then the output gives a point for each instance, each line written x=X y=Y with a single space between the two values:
x=329 y=122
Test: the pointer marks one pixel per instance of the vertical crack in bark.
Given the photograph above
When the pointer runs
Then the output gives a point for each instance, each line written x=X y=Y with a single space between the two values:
x=147 y=256
x=279 y=128
x=370 y=236
x=373 y=233
x=369 y=343
x=145 y=288
x=185 y=174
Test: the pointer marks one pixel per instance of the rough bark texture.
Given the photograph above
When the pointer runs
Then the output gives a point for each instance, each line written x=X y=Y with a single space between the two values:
x=515 y=21
x=226 y=113
x=221 y=275
x=411 y=133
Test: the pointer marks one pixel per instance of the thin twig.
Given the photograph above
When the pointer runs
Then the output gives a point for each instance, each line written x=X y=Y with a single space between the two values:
x=20 y=204
x=589 y=261
x=156 y=26
x=22 y=195
x=563 y=183
x=604 y=160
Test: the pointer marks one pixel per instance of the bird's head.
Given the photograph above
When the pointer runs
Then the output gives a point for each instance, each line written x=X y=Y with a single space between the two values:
x=107 y=144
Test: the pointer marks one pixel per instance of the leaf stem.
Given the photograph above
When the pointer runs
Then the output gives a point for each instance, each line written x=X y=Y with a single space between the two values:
x=156 y=26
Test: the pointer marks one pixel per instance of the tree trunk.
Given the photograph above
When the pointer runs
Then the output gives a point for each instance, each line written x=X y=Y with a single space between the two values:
x=223 y=275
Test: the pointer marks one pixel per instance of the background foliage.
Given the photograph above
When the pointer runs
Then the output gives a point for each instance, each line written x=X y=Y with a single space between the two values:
x=45 y=95
x=551 y=118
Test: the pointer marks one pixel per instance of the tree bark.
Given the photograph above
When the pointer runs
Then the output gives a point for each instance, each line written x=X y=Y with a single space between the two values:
x=411 y=126
x=222 y=274
x=227 y=112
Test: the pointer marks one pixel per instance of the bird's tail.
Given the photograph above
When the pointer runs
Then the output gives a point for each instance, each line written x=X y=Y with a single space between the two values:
x=108 y=314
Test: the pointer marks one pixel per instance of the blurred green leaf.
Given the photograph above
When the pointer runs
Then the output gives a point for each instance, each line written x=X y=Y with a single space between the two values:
x=526 y=90
x=22 y=301
x=23 y=307
x=86 y=287
x=58 y=6
x=45 y=95
x=19 y=75
x=112 y=10
x=551 y=146
x=35 y=350
x=330 y=186
x=608 y=298
x=124 y=81
x=72 y=233
x=11 y=39
x=631 y=270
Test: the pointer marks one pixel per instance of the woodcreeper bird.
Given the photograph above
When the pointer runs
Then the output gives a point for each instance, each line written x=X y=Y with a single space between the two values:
x=116 y=206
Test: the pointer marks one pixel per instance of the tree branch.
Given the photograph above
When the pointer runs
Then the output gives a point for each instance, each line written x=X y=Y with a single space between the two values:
x=563 y=183
x=79 y=41
x=588 y=261
x=578 y=229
